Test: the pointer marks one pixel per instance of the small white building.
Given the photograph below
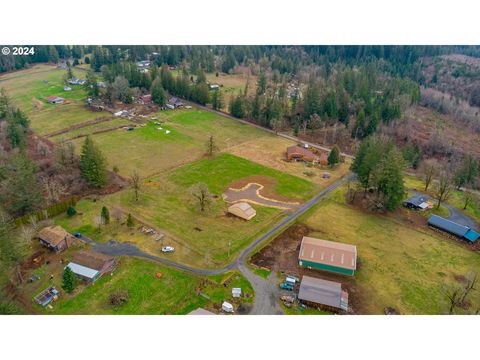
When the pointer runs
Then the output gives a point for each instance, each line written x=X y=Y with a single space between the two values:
x=236 y=292
x=227 y=307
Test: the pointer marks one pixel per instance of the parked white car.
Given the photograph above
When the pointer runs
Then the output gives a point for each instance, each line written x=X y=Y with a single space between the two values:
x=167 y=249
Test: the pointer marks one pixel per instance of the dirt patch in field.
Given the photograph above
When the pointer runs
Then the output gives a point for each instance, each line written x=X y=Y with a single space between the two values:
x=268 y=189
x=281 y=255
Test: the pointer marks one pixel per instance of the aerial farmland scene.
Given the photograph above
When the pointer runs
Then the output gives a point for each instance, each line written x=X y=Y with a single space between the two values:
x=240 y=180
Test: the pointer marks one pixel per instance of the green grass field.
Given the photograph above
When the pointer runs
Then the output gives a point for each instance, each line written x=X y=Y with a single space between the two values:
x=152 y=151
x=31 y=87
x=175 y=292
x=456 y=198
x=399 y=266
x=200 y=239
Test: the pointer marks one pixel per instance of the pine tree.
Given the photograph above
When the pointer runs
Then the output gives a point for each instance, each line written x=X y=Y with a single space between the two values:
x=217 y=100
x=159 y=96
x=130 y=221
x=71 y=211
x=334 y=156
x=93 y=164
x=212 y=147
x=389 y=179
x=69 y=281
x=105 y=215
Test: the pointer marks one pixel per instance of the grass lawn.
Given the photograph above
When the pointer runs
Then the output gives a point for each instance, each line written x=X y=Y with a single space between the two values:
x=29 y=88
x=175 y=292
x=265 y=273
x=200 y=239
x=152 y=151
x=270 y=152
x=217 y=173
x=89 y=129
x=456 y=198
x=399 y=266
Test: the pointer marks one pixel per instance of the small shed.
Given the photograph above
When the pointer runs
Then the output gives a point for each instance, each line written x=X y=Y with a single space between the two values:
x=236 y=292
x=328 y=255
x=54 y=100
x=175 y=102
x=146 y=99
x=85 y=273
x=46 y=296
x=326 y=294
x=55 y=238
x=242 y=210
x=227 y=307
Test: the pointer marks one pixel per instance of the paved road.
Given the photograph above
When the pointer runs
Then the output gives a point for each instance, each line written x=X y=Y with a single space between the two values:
x=455 y=215
x=266 y=290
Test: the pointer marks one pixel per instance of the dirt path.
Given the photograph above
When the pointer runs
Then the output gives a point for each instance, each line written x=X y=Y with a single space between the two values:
x=266 y=290
x=251 y=193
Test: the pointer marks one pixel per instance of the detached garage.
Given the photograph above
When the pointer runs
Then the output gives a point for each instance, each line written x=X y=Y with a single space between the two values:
x=328 y=255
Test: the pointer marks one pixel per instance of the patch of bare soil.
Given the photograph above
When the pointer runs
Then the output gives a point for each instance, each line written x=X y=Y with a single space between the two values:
x=268 y=190
x=281 y=255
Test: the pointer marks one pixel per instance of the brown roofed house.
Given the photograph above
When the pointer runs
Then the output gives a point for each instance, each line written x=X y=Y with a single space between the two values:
x=94 y=260
x=299 y=153
x=328 y=255
x=55 y=238
x=323 y=159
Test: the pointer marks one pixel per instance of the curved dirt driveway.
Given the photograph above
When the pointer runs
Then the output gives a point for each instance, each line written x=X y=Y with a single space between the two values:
x=251 y=193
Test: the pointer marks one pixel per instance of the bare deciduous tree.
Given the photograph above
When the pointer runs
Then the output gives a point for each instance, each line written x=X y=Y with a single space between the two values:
x=429 y=169
x=454 y=295
x=444 y=186
x=53 y=189
x=471 y=281
x=202 y=194
x=65 y=153
x=135 y=179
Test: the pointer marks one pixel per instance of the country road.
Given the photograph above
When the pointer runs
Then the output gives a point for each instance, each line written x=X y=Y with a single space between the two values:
x=266 y=290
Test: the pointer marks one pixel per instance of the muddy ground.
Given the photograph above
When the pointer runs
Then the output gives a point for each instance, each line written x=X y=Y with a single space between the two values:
x=281 y=256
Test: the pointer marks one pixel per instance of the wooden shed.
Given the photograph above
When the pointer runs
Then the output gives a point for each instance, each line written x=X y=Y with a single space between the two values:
x=55 y=238
x=242 y=210
x=323 y=293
